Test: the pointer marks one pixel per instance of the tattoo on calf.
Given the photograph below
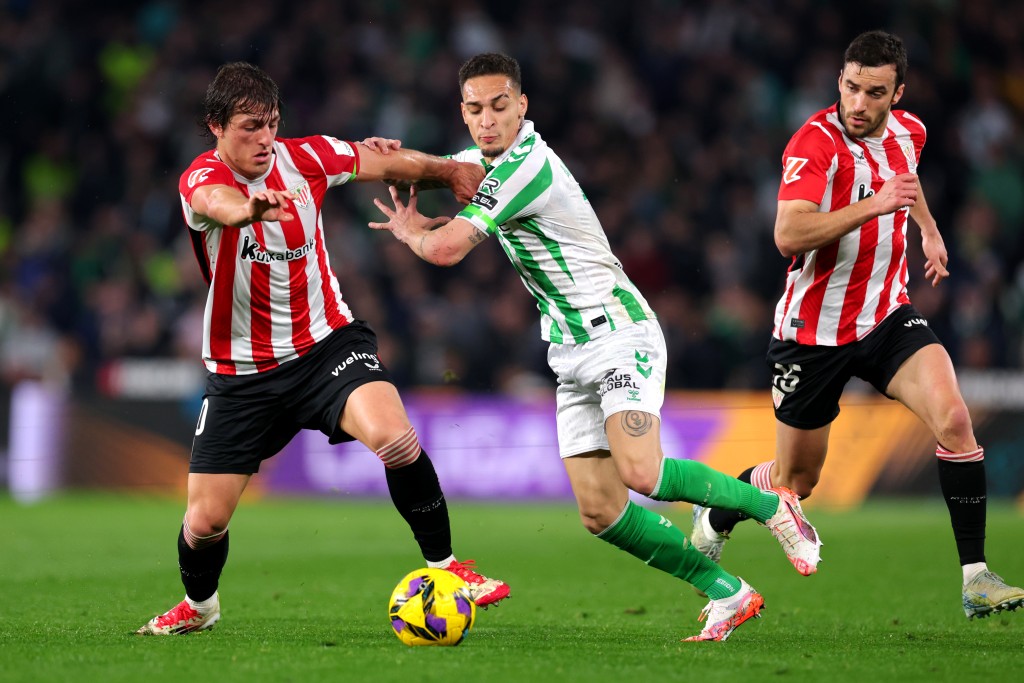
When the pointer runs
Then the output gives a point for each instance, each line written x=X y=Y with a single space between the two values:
x=636 y=423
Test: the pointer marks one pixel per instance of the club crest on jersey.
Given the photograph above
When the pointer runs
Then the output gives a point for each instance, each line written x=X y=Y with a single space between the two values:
x=908 y=152
x=792 y=172
x=301 y=195
x=197 y=176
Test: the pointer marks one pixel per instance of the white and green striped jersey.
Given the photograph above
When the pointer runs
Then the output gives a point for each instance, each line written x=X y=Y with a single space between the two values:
x=550 y=233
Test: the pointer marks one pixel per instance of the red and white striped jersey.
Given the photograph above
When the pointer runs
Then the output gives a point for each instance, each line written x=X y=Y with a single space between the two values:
x=272 y=293
x=838 y=293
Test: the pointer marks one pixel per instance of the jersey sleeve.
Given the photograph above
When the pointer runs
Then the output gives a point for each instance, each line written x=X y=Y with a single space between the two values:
x=514 y=189
x=805 y=164
x=205 y=170
x=337 y=159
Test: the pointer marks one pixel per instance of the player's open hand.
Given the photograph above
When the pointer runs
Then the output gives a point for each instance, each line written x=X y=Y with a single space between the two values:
x=382 y=145
x=269 y=205
x=898 y=192
x=404 y=220
x=936 y=257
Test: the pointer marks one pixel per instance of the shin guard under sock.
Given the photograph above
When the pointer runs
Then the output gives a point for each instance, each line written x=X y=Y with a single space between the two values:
x=695 y=482
x=724 y=521
x=965 y=490
x=200 y=569
x=417 y=496
x=655 y=540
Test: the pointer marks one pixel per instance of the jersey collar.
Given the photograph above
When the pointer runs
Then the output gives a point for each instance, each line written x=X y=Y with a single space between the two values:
x=525 y=131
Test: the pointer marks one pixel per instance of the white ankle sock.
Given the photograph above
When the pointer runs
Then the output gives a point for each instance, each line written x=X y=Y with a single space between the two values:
x=442 y=564
x=203 y=606
x=972 y=570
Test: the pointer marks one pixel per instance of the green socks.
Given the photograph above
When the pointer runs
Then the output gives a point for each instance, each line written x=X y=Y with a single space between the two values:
x=655 y=540
x=695 y=482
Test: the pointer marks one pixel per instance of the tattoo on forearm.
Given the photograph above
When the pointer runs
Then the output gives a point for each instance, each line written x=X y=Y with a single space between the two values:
x=423 y=239
x=477 y=237
x=636 y=423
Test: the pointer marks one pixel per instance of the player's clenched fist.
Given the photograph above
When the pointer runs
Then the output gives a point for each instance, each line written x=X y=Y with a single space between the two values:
x=898 y=192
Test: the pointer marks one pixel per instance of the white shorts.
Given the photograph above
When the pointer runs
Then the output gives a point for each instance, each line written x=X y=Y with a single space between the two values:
x=623 y=370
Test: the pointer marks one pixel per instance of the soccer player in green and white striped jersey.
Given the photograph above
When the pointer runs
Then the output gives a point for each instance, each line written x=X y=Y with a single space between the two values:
x=606 y=347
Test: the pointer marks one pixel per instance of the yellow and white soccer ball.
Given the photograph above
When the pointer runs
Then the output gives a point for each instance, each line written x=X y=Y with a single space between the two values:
x=431 y=607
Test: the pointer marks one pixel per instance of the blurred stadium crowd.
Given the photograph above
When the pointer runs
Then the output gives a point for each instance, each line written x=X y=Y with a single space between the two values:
x=672 y=115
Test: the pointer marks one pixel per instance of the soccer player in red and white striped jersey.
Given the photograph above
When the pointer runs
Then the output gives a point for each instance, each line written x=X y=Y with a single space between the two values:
x=283 y=349
x=849 y=185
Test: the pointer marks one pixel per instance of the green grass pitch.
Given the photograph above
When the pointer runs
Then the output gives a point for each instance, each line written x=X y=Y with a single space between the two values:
x=304 y=598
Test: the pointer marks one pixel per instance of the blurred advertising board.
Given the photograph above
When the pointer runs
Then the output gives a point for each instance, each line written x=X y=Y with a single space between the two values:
x=484 y=446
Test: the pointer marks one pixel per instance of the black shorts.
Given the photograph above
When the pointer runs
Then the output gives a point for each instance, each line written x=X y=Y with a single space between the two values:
x=807 y=381
x=246 y=419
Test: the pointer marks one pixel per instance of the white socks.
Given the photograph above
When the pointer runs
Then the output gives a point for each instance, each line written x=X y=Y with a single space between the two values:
x=203 y=606
x=442 y=564
x=972 y=570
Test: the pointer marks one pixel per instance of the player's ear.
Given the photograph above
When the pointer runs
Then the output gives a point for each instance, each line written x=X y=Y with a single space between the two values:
x=462 y=108
x=898 y=95
x=523 y=102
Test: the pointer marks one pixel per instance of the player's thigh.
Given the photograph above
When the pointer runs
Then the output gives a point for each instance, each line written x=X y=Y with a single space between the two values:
x=241 y=424
x=212 y=500
x=926 y=384
x=347 y=385
x=374 y=415
x=600 y=493
x=634 y=437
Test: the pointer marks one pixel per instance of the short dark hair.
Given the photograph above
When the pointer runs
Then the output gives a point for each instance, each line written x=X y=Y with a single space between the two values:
x=491 y=64
x=239 y=87
x=878 y=48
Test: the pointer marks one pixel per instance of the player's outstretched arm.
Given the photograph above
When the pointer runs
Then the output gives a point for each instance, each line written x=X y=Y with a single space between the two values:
x=384 y=146
x=800 y=226
x=396 y=164
x=228 y=206
x=441 y=241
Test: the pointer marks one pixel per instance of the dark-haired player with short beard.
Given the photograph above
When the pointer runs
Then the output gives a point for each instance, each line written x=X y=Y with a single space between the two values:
x=283 y=350
x=849 y=184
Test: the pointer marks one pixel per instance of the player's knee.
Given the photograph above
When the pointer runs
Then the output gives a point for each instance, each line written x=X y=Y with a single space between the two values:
x=201 y=531
x=640 y=479
x=593 y=523
x=401 y=450
x=596 y=516
x=955 y=426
